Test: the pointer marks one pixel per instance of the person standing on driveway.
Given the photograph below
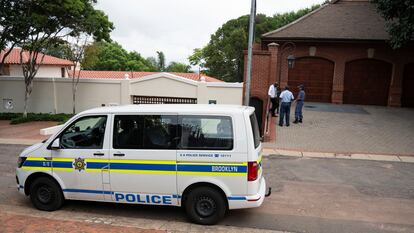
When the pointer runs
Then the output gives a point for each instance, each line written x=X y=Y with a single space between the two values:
x=299 y=104
x=286 y=97
x=273 y=98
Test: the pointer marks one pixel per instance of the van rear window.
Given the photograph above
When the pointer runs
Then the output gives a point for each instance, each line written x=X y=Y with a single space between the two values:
x=255 y=130
x=205 y=133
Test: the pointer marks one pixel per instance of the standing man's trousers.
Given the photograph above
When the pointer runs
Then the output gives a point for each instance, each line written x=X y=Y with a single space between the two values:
x=284 y=113
x=298 y=110
x=275 y=106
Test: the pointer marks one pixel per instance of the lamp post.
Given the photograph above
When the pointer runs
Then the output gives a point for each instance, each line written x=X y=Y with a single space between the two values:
x=250 y=54
x=289 y=47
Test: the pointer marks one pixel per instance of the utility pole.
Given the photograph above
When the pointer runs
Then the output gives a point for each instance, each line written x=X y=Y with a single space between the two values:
x=250 y=54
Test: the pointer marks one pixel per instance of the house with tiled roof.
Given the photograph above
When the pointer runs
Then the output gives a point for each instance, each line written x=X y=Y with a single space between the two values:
x=52 y=89
x=51 y=66
x=342 y=55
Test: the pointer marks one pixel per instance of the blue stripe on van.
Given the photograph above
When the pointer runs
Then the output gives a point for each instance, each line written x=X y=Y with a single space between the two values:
x=31 y=163
x=87 y=191
x=131 y=166
x=62 y=164
x=236 y=198
x=212 y=168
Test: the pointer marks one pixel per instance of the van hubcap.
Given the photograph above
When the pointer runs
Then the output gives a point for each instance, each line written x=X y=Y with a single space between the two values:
x=44 y=194
x=205 y=206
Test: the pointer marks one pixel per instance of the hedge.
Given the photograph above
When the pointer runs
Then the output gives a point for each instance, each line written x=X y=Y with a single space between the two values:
x=17 y=118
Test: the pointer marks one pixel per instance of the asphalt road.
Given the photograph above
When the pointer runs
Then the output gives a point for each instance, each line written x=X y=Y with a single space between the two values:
x=309 y=195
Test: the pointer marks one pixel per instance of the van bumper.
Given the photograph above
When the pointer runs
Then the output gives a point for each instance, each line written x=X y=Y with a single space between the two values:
x=249 y=201
x=20 y=178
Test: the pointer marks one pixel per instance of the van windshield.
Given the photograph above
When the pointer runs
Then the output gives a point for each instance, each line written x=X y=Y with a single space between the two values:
x=255 y=130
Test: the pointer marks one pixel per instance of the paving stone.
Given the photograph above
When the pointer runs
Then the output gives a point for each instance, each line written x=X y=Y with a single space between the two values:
x=289 y=153
x=268 y=151
x=385 y=158
x=409 y=159
x=318 y=155
x=361 y=156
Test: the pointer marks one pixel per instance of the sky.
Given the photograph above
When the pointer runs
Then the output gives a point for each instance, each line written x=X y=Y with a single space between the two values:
x=176 y=27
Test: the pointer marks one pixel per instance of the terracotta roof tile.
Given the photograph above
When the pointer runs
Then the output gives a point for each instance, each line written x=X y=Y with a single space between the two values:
x=339 y=20
x=132 y=75
x=14 y=58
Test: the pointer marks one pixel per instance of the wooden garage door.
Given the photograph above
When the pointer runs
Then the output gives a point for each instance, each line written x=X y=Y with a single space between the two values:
x=407 y=99
x=316 y=74
x=367 y=81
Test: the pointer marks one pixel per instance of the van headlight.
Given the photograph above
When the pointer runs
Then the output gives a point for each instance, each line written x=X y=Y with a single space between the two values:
x=20 y=161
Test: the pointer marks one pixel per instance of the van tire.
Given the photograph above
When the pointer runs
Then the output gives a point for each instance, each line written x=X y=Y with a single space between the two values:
x=46 y=194
x=205 y=206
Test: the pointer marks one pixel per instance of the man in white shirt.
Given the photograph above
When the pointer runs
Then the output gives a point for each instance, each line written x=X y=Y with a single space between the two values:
x=273 y=98
x=286 y=97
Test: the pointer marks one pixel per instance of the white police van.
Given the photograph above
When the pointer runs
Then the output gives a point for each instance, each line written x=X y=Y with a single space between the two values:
x=206 y=158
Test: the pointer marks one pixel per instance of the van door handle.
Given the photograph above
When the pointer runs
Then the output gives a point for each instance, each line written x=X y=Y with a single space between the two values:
x=119 y=154
x=98 y=154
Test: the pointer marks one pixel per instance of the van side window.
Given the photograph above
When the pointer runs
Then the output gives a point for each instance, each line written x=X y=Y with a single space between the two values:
x=206 y=133
x=145 y=132
x=85 y=133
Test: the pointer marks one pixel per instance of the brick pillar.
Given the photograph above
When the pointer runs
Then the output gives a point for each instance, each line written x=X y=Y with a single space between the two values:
x=394 y=97
x=273 y=69
x=338 y=82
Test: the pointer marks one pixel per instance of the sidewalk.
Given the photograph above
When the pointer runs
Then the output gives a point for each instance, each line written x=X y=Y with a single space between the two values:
x=267 y=151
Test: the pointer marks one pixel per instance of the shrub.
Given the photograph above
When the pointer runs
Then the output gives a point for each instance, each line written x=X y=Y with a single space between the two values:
x=17 y=118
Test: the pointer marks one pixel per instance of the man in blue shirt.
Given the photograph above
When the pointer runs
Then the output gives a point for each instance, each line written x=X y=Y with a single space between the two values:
x=299 y=104
x=286 y=98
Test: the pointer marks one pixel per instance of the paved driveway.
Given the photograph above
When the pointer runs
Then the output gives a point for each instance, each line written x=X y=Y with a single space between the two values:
x=350 y=128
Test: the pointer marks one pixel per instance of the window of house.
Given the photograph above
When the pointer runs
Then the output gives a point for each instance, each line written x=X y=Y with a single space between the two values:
x=85 y=133
x=206 y=133
x=145 y=132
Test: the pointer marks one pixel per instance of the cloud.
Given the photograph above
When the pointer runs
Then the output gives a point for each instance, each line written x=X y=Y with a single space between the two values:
x=176 y=27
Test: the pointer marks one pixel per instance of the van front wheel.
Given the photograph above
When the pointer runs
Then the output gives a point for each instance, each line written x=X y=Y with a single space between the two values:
x=205 y=205
x=45 y=194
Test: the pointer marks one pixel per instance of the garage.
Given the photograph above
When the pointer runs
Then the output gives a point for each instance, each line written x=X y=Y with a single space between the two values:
x=317 y=76
x=407 y=99
x=367 y=82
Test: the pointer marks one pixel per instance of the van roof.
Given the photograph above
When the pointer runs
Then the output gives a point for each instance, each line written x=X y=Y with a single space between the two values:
x=170 y=108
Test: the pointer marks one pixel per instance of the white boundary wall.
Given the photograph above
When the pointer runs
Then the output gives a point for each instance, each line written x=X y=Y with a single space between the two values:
x=54 y=95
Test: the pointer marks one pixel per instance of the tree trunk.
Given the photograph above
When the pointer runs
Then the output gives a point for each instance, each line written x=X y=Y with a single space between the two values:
x=74 y=100
x=26 y=99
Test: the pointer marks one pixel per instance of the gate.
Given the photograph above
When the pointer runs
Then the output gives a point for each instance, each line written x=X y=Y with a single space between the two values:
x=137 y=99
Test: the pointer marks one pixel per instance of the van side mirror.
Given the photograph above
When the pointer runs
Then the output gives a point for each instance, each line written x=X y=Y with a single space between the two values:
x=55 y=144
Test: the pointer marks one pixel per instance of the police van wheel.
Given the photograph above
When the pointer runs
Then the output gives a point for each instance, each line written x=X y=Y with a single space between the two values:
x=45 y=194
x=206 y=206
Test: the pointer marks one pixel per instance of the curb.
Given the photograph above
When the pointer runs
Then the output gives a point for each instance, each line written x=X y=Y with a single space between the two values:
x=355 y=156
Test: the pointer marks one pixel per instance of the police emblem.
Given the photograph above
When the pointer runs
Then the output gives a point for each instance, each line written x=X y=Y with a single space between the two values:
x=79 y=164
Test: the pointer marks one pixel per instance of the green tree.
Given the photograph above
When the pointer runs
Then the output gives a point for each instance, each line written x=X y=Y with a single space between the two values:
x=112 y=56
x=223 y=56
x=178 y=67
x=12 y=28
x=399 y=15
x=61 y=50
x=45 y=22
x=160 y=61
